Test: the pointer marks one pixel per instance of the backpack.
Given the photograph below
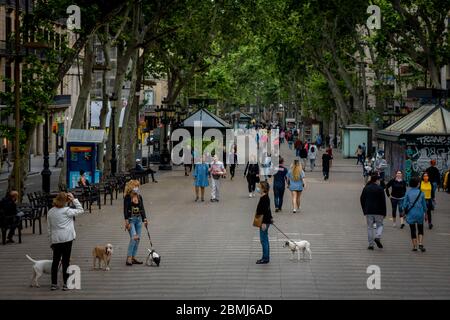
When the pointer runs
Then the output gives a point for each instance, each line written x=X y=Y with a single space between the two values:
x=313 y=149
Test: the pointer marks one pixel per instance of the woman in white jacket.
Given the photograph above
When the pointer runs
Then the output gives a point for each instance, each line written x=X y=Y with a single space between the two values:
x=61 y=232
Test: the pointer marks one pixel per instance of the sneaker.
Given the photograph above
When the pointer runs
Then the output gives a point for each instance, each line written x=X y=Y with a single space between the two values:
x=212 y=200
x=10 y=240
x=378 y=242
x=402 y=226
x=129 y=263
x=421 y=248
x=203 y=200
x=374 y=225
x=370 y=247
x=261 y=261
x=54 y=287
x=196 y=199
x=430 y=226
x=294 y=211
x=250 y=195
x=414 y=249
x=65 y=288
x=277 y=210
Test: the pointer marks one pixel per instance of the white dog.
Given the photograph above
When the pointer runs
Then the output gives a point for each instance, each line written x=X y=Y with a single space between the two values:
x=297 y=246
x=39 y=268
x=103 y=254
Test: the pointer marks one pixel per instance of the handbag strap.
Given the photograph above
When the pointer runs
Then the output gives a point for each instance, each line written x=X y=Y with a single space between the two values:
x=414 y=203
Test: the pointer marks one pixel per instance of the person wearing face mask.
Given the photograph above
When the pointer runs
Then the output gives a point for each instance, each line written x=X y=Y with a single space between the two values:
x=201 y=174
x=398 y=186
x=217 y=171
x=427 y=188
x=134 y=215
x=263 y=208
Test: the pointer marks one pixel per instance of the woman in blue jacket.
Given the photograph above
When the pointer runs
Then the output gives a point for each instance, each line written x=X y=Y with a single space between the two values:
x=201 y=175
x=415 y=207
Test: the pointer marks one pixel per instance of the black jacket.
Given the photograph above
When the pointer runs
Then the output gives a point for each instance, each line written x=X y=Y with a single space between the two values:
x=252 y=169
x=398 y=188
x=373 y=200
x=434 y=174
x=127 y=208
x=264 y=209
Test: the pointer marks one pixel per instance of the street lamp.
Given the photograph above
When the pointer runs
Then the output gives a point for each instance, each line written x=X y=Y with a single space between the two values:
x=113 y=98
x=167 y=115
x=46 y=173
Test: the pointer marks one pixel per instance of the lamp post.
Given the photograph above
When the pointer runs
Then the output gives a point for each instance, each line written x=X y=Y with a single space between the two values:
x=46 y=173
x=113 y=98
x=167 y=115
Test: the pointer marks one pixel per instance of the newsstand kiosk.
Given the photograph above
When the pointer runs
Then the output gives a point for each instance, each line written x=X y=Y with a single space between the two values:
x=82 y=154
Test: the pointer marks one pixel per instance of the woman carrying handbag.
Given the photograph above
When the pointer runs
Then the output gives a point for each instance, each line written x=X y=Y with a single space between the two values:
x=263 y=219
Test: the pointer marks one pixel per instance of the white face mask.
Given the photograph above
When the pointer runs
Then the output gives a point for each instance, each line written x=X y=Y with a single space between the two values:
x=136 y=189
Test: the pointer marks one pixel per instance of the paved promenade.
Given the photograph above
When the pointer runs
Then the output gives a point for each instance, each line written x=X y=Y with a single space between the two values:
x=209 y=249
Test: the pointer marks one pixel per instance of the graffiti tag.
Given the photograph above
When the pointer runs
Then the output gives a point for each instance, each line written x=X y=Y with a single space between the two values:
x=434 y=140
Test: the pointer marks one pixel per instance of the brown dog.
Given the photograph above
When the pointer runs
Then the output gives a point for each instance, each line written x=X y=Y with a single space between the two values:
x=103 y=254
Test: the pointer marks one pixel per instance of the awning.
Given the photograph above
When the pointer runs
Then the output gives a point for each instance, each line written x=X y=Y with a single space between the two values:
x=208 y=120
x=91 y=136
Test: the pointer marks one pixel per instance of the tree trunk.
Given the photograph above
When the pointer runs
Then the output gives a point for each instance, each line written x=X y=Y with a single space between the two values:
x=343 y=112
x=435 y=73
x=126 y=139
x=24 y=164
x=80 y=109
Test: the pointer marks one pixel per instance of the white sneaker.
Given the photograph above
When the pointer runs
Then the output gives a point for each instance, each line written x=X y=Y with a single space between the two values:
x=250 y=195
x=374 y=225
x=394 y=225
x=294 y=211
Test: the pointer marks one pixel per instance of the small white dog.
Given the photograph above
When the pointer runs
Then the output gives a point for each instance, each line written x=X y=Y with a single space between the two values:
x=297 y=246
x=153 y=257
x=39 y=268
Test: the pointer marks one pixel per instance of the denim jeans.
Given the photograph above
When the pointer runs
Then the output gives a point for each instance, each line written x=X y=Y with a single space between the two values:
x=135 y=228
x=312 y=163
x=290 y=143
x=395 y=204
x=264 y=238
x=278 y=192
x=371 y=233
x=297 y=152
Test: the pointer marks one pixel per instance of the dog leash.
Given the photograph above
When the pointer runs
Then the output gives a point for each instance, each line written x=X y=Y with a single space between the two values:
x=283 y=233
x=149 y=238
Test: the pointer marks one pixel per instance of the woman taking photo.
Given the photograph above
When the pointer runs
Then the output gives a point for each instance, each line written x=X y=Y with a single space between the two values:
x=61 y=232
x=398 y=186
x=263 y=209
x=427 y=188
x=415 y=206
x=201 y=174
x=252 y=173
x=134 y=214
x=296 y=184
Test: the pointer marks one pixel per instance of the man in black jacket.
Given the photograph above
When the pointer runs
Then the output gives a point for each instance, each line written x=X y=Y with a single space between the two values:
x=8 y=213
x=435 y=177
x=373 y=203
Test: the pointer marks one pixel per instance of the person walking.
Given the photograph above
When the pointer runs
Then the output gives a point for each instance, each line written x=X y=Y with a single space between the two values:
x=326 y=162
x=282 y=135
x=364 y=150
x=251 y=172
x=398 y=186
x=380 y=167
x=373 y=203
x=279 y=184
x=415 y=206
x=319 y=141
x=232 y=160
x=312 y=155
x=296 y=184
x=304 y=155
x=290 y=139
x=267 y=166
x=59 y=156
x=359 y=154
x=201 y=174
x=217 y=171
x=263 y=208
x=61 y=232
x=187 y=160
x=427 y=189
x=298 y=146
x=435 y=178
x=134 y=215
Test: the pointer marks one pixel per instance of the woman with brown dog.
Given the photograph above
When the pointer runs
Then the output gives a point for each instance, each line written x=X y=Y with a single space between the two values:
x=134 y=214
x=61 y=232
